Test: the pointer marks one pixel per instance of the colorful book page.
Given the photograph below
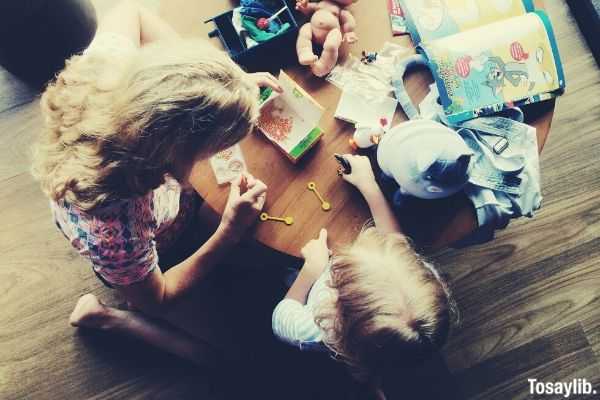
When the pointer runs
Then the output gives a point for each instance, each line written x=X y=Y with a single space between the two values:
x=485 y=69
x=433 y=19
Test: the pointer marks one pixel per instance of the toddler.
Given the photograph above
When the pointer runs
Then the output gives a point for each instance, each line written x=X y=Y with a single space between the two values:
x=374 y=304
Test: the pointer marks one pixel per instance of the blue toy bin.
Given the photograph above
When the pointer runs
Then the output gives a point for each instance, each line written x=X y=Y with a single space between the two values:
x=270 y=55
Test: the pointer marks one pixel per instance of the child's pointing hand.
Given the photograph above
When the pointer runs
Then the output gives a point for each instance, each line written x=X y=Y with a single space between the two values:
x=316 y=254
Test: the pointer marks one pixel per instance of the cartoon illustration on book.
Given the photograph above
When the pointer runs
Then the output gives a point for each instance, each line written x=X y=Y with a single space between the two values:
x=434 y=19
x=522 y=70
x=499 y=72
x=510 y=62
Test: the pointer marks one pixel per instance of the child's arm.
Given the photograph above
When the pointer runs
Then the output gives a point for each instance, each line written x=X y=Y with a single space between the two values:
x=316 y=256
x=362 y=177
x=292 y=321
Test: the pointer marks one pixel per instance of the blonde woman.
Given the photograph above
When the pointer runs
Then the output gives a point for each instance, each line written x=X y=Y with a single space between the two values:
x=124 y=122
x=376 y=304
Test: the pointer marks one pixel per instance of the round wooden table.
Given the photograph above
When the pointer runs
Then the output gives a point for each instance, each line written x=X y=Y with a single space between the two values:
x=438 y=223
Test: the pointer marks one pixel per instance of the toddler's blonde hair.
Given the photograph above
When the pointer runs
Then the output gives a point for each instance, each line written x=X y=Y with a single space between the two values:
x=391 y=309
x=115 y=127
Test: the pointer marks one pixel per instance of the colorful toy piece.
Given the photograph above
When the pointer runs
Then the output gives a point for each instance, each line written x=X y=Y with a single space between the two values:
x=264 y=217
x=263 y=23
x=365 y=137
x=325 y=205
x=368 y=57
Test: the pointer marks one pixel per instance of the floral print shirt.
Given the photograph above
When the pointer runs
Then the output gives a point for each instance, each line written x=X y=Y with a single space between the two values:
x=122 y=239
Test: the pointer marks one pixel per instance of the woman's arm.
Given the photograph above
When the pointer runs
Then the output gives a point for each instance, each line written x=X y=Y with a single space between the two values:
x=136 y=22
x=155 y=294
x=362 y=177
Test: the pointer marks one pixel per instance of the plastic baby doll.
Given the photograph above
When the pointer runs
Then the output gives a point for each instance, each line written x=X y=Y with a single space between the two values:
x=331 y=25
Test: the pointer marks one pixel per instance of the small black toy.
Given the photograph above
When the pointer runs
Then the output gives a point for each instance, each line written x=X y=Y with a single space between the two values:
x=368 y=57
x=345 y=167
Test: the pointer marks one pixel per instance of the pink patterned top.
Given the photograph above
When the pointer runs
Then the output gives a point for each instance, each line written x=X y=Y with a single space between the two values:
x=122 y=239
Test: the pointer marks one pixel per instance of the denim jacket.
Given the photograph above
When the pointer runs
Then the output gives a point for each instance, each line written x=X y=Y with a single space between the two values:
x=504 y=178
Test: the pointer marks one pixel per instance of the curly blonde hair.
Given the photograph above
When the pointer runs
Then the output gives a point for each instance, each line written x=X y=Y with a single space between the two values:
x=391 y=308
x=115 y=127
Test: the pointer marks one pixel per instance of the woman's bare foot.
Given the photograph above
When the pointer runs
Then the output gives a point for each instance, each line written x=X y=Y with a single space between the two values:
x=90 y=313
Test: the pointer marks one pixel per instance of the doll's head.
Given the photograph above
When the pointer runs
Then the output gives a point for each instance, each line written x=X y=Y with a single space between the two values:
x=392 y=308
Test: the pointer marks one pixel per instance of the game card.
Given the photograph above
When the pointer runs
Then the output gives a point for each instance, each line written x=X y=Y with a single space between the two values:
x=228 y=164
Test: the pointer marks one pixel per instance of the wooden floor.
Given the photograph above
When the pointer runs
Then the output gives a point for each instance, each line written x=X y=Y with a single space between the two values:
x=530 y=300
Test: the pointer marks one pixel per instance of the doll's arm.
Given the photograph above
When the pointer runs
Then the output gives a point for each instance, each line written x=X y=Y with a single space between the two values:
x=304 y=46
x=307 y=8
x=348 y=26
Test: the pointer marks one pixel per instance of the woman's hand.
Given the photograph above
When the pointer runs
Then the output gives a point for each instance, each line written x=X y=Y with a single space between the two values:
x=265 y=79
x=246 y=200
x=316 y=254
x=361 y=174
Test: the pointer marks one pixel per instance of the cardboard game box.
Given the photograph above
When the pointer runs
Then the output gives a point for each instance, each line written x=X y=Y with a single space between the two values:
x=290 y=120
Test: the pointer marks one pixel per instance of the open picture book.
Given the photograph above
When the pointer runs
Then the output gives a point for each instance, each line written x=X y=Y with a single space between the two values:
x=486 y=55
x=290 y=120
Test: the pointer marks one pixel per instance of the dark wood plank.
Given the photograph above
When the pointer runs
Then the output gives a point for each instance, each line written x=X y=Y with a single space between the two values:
x=14 y=91
x=587 y=14
x=522 y=299
x=19 y=128
x=558 y=357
